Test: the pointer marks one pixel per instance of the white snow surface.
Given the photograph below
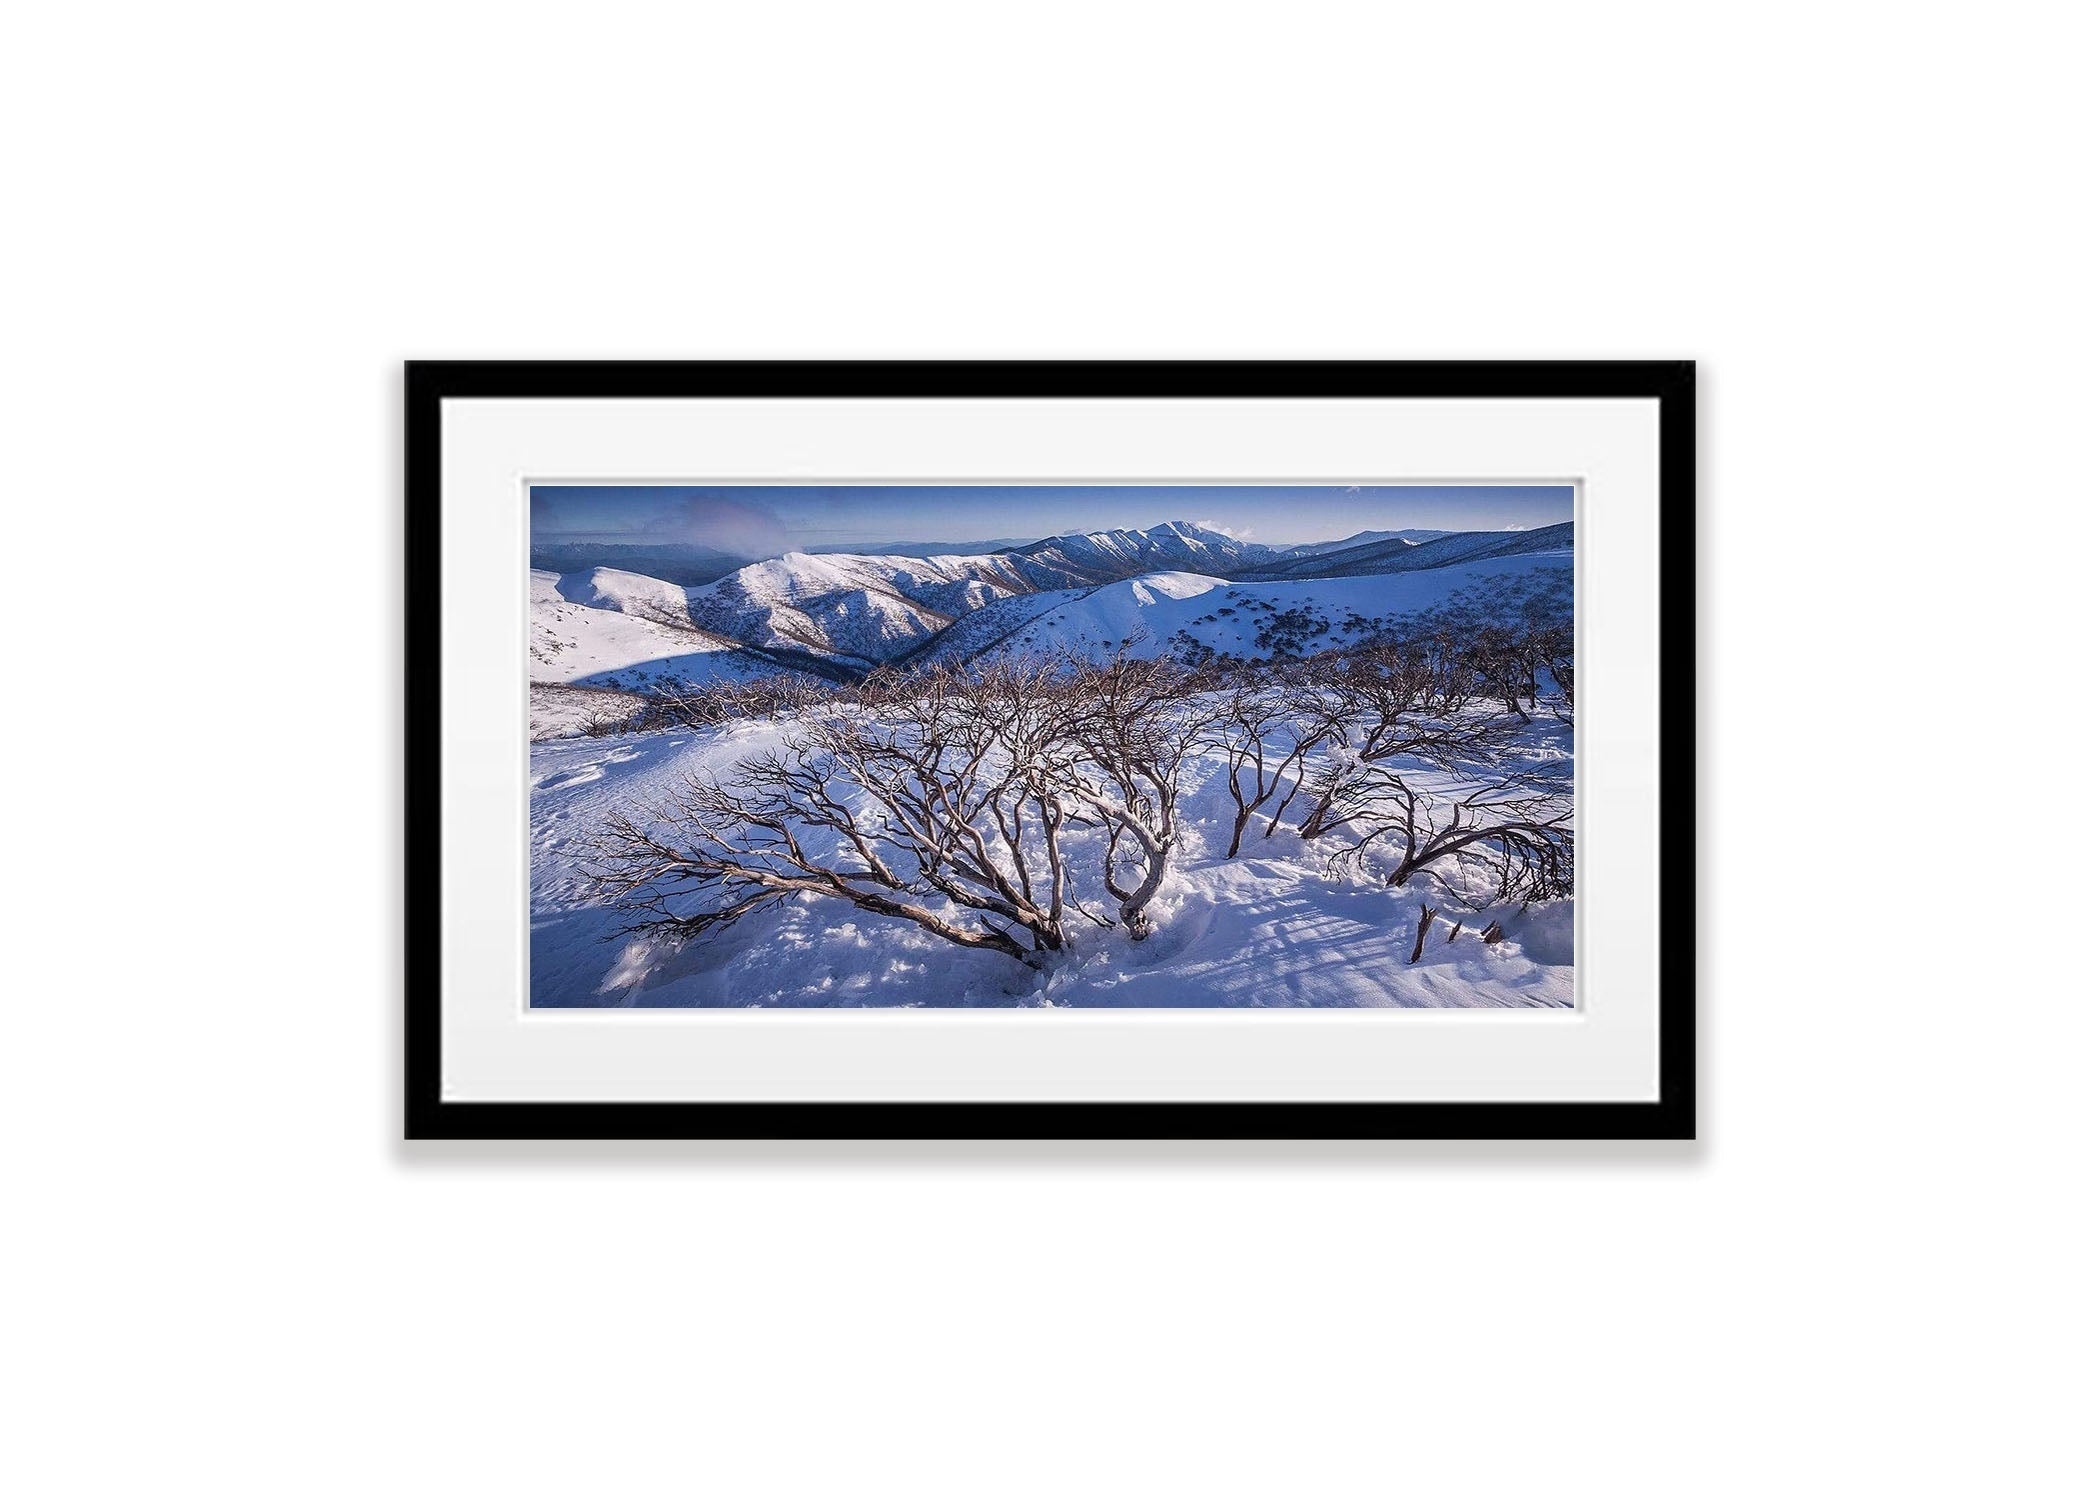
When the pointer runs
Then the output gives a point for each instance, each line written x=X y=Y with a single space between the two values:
x=848 y=608
x=558 y=711
x=1144 y=616
x=1270 y=928
x=980 y=630
x=634 y=594
x=1100 y=621
x=605 y=628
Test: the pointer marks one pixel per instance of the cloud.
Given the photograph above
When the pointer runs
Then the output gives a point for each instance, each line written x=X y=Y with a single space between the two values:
x=1237 y=533
x=732 y=526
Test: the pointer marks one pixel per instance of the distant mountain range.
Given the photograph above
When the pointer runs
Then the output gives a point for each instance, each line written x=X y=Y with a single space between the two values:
x=673 y=562
x=692 y=565
x=929 y=549
x=1362 y=538
x=1399 y=555
x=852 y=611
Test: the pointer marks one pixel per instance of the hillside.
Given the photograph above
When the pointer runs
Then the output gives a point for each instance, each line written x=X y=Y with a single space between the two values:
x=857 y=611
x=607 y=629
x=637 y=594
x=1104 y=556
x=853 y=610
x=1129 y=614
x=1182 y=613
x=1398 y=555
x=982 y=629
x=843 y=614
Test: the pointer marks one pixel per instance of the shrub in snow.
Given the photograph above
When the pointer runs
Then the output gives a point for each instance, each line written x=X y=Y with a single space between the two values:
x=1128 y=728
x=1264 y=731
x=954 y=798
x=702 y=705
x=1389 y=701
x=1414 y=769
x=937 y=806
x=942 y=799
x=1511 y=838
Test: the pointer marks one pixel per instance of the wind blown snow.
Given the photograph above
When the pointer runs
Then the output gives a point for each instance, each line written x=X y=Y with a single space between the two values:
x=1270 y=928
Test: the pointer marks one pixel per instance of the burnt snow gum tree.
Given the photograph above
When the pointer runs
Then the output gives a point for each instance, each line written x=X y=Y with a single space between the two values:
x=1510 y=839
x=943 y=799
x=949 y=798
x=1133 y=725
x=940 y=802
x=1264 y=731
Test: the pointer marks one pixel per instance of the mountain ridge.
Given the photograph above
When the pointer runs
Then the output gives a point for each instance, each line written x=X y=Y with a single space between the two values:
x=852 y=612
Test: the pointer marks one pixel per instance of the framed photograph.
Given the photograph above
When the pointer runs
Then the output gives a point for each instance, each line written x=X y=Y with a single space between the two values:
x=1050 y=750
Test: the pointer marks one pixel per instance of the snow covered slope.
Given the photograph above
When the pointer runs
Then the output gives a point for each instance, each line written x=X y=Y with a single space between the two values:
x=557 y=711
x=1167 y=613
x=1103 y=556
x=859 y=610
x=849 y=609
x=634 y=594
x=1271 y=928
x=982 y=629
x=1117 y=616
x=609 y=629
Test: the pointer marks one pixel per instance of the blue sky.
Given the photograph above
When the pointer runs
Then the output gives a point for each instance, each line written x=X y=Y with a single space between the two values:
x=765 y=520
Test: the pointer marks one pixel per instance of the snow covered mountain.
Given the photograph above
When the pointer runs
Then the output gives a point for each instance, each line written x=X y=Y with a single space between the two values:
x=981 y=630
x=1402 y=556
x=856 y=611
x=1362 y=539
x=1192 y=616
x=929 y=549
x=1097 y=623
x=844 y=613
x=1105 y=556
x=608 y=629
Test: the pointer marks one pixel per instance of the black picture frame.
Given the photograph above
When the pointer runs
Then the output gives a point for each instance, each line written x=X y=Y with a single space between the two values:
x=430 y=383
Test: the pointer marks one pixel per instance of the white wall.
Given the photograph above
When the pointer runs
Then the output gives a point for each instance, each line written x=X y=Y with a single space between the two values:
x=228 y=224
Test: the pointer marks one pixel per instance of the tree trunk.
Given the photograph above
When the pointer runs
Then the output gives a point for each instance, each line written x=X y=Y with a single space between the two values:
x=1316 y=825
x=1134 y=904
x=1421 y=932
